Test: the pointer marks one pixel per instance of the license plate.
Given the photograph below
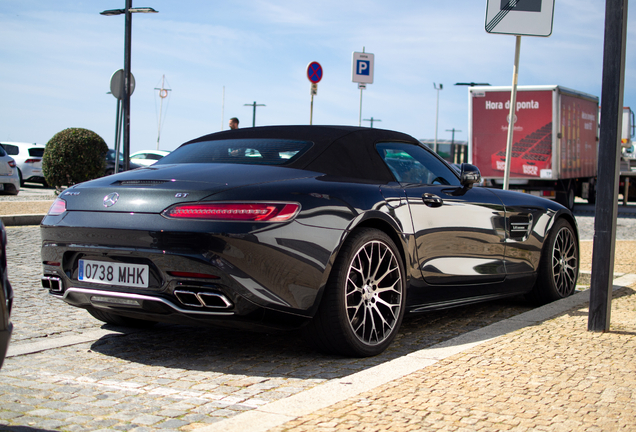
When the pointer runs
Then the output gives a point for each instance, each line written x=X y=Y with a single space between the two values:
x=112 y=273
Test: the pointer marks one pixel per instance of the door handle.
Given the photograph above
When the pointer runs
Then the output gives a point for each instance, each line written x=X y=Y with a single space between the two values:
x=432 y=200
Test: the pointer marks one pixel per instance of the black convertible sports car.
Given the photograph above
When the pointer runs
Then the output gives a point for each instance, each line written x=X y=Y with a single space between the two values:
x=338 y=229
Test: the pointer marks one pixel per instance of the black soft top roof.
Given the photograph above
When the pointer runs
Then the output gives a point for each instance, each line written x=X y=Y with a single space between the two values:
x=341 y=151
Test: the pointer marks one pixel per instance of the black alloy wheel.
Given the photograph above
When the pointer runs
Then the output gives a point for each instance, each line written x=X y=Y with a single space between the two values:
x=363 y=305
x=559 y=265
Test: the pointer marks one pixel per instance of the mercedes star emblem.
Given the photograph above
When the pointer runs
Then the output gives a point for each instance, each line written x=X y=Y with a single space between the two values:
x=111 y=199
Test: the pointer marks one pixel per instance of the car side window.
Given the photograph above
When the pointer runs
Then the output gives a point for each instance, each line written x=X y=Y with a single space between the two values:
x=410 y=163
x=11 y=149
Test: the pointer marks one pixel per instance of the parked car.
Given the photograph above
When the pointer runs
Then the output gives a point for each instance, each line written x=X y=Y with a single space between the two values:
x=9 y=178
x=338 y=229
x=110 y=163
x=28 y=157
x=6 y=298
x=147 y=157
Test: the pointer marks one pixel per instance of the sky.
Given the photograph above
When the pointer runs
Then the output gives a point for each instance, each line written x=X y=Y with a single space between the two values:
x=216 y=57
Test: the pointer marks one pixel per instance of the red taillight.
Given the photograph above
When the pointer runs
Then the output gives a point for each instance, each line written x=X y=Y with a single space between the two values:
x=249 y=212
x=58 y=207
x=32 y=160
x=11 y=164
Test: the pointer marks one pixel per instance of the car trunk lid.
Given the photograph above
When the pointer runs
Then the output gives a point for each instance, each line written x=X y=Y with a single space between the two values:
x=153 y=189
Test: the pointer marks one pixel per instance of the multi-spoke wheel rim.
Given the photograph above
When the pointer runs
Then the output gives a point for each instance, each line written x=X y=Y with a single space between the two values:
x=565 y=262
x=374 y=293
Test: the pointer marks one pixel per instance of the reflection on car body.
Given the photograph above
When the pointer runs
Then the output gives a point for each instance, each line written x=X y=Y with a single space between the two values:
x=338 y=230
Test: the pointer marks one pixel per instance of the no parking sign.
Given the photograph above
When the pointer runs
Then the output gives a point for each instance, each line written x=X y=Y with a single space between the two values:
x=314 y=72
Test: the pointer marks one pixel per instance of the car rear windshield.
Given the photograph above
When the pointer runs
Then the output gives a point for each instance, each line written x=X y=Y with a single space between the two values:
x=239 y=151
x=36 y=152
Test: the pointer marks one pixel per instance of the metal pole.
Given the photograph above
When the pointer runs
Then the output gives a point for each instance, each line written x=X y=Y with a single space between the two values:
x=360 y=114
x=441 y=86
x=254 y=105
x=118 y=135
x=511 y=122
x=163 y=77
x=127 y=49
x=311 y=110
x=608 y=166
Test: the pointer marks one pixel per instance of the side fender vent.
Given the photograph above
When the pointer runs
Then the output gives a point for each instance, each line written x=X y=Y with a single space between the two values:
x=520 y=227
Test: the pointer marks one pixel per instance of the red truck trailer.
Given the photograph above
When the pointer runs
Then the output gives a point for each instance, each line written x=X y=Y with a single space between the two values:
x=555 y=140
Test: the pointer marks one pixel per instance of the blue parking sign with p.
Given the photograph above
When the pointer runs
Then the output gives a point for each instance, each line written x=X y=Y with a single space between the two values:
x=363 y=67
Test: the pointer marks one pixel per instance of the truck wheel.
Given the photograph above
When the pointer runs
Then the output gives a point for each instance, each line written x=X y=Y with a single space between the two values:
x=566 y=198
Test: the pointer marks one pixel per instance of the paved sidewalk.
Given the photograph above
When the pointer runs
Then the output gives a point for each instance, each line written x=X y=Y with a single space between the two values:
x=526 y=373
x=554 y=376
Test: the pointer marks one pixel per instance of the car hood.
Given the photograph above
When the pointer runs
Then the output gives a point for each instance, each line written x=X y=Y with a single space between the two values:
x=152 y=189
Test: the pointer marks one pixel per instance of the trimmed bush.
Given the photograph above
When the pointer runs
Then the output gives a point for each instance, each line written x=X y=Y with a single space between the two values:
x=73 y=156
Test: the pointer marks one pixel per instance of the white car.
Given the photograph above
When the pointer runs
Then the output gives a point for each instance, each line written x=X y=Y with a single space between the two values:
x=28 y=157
x=9 y=178
x=147 y=157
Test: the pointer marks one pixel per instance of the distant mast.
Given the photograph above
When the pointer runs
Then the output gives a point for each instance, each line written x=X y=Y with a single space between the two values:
x=163 y=93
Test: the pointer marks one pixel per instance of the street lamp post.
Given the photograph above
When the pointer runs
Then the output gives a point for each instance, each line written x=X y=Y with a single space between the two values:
x=372 y=120
x=441 y=86
x=128 y=11
x=254 y=111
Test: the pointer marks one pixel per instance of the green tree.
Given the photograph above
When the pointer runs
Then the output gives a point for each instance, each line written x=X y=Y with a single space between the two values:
x=72 y=156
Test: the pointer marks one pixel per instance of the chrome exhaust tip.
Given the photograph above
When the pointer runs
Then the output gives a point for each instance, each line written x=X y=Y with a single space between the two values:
x=52 y=283
x=214 y=300
x=203 y=299
x=188 y=298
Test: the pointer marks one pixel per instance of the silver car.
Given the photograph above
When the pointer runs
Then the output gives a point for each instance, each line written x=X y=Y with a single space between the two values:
x=9 y=177
x=28 y=157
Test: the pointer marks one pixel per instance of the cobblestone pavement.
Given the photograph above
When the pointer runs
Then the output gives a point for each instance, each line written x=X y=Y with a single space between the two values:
x=171 y=377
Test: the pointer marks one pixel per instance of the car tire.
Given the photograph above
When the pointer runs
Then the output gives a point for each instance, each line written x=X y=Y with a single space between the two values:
x=366 y=287
x=20 y=176
x=119 y=320
x=559 y=265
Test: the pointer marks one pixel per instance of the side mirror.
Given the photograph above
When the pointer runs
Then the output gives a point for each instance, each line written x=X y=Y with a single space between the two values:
x=469 y=175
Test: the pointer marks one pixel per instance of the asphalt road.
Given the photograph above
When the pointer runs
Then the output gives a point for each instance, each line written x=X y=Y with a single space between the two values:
x=67 y=371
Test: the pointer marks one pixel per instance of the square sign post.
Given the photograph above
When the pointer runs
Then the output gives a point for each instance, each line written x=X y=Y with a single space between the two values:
x=518 y=17
x=362 y=73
